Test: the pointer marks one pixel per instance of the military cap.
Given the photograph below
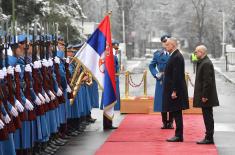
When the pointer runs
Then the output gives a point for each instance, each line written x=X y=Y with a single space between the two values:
x=165 y=37
x=115 y=43
x=78 y=45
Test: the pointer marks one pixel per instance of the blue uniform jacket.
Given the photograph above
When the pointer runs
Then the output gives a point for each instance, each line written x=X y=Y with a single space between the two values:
x=158 y=64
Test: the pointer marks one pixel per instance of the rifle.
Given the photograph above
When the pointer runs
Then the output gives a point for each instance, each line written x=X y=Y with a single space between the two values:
x=68 y=75
x=4 y=131
x=4 y=93
x=36 y=75
x=43 y=69
x=22 y=115
x=56 y=65
x=31 y=114
x=10 y=81
x=47 y=85
x=49 y=70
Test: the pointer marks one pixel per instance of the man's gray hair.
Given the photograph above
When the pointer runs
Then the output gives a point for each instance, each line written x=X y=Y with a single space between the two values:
x=173 y=41
x=203 y=48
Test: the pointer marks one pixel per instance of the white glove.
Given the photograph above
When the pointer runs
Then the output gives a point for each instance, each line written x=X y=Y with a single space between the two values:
x=50 y=62
x=37 y=101
x=59 y=92
x=6 y=119
x=35 y=65
x=2 y=74
x=45 y=63
x=57 y=60
x=47 y=98
x=4 y=69
x=10 y=70
x=52 y=95
x=14 y=112
x=18 y=69
x=159 y=75
x=42 y=98
x=40 y=63
x=68 y=89
x=28 y=68
x=1 y=124
x=67 y=60
x=19 y=106
x=28 y=105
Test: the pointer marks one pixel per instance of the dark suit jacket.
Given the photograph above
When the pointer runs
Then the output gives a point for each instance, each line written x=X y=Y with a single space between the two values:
x=175 y=81
x=205 y=84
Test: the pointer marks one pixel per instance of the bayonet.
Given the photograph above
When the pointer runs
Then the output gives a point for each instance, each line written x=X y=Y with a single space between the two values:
x=26 y=44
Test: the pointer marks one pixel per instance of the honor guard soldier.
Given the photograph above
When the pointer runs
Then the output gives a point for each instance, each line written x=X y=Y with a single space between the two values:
x=157 y=67
x=117 y=70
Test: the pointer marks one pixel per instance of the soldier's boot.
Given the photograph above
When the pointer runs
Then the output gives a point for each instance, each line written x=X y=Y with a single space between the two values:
x=19 y=152
x=81 y=127
x=108 y=124
x=25 y=152
x=170 y=125
x=164 y=125
x=37 y=148
x=63 y=131
x=90 y=119
x=30 y=151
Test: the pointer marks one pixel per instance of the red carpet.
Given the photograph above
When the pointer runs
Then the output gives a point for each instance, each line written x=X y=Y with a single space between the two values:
x=141 y=135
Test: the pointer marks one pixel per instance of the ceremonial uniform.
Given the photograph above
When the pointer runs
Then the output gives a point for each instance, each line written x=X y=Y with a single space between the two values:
x=117 y=70
x=157 y=69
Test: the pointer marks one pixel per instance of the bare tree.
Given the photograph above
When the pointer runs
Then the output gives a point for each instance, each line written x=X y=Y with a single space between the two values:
x=199 y=6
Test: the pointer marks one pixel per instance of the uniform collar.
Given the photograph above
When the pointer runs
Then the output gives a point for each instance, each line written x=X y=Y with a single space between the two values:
x=164 y=51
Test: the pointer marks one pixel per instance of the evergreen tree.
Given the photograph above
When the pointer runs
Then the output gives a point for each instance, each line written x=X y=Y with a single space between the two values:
x=25 y=10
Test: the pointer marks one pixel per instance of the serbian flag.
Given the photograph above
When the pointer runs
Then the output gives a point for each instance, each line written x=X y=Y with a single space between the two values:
x=96 y=55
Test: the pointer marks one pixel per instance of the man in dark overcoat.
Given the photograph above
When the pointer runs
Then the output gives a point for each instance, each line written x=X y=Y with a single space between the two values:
x=175 y=93
x=205 y=94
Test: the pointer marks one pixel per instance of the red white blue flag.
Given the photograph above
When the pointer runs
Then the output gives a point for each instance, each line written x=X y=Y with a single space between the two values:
x=97 y=57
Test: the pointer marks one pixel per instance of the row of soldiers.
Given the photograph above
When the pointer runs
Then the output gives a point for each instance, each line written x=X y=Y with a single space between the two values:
x=36 y=115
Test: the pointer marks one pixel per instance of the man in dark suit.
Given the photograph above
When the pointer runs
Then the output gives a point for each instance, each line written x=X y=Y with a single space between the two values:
x=175 y=93
x=205 y=94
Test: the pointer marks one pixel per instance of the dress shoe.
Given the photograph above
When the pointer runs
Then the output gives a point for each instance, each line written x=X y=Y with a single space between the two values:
x=170 y=126
x=81 y=128
x=57 y=143
x=79 y=131
x=46 y=151
x=164 y=126
x=66 y=137
x=61 y=140
x=72 y=134
x=54 y=146
x=110 y=128
x=84 y=123
x=175 y=139
x=50 y=149
x=206 y=141
x=91 y=120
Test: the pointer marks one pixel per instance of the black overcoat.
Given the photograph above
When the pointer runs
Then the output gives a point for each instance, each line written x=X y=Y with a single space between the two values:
x=175 y=81
x=205 y=84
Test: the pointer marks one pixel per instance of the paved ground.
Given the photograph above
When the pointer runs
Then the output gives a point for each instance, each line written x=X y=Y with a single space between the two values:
x=88 y=142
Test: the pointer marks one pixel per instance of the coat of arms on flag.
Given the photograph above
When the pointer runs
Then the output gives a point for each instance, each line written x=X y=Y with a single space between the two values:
x=96 y=56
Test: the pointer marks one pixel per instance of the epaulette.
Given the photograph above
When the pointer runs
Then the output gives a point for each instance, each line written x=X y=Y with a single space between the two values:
x=159 y=51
